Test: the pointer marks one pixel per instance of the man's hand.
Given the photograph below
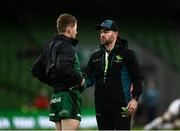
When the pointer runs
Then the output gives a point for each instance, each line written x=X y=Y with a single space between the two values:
x=82 y=83
x=82 y=87
x=132 y=106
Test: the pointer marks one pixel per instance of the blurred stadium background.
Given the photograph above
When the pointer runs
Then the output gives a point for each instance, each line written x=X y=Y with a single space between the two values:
x=151 y=27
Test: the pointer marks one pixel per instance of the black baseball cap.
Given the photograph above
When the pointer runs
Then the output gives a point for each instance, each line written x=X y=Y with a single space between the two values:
x=107 y=25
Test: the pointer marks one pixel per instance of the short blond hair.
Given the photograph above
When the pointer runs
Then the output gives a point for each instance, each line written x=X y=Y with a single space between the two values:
x=65 y=20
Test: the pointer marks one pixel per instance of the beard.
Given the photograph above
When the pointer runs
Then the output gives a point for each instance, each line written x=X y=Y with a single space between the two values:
x=106 y=42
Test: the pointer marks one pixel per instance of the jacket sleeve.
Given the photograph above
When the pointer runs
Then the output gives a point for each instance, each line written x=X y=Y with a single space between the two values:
x=90 y=73
x=37 y=69
x=135 y=74
x=65 y=65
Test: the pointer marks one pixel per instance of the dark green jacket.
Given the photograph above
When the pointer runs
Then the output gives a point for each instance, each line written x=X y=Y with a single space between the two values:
x=113 y=87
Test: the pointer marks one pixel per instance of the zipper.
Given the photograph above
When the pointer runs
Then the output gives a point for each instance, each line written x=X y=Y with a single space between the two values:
x=106 y=61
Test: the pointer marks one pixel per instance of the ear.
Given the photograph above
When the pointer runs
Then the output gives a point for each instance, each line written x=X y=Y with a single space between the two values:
x=116 y=33
x=68 y=30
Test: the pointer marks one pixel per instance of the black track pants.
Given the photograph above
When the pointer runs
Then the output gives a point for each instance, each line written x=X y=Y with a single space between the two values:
x=111 y=119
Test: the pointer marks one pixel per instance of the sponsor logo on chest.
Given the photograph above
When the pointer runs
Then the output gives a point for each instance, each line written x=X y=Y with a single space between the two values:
x=118 y=59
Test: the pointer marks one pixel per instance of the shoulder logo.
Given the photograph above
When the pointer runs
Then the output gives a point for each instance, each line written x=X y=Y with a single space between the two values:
x=96 y=60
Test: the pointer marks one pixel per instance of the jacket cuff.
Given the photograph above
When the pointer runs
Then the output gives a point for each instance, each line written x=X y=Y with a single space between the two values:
x=136 y=98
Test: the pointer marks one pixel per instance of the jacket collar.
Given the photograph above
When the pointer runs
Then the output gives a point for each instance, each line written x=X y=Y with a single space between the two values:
x=65 y=38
